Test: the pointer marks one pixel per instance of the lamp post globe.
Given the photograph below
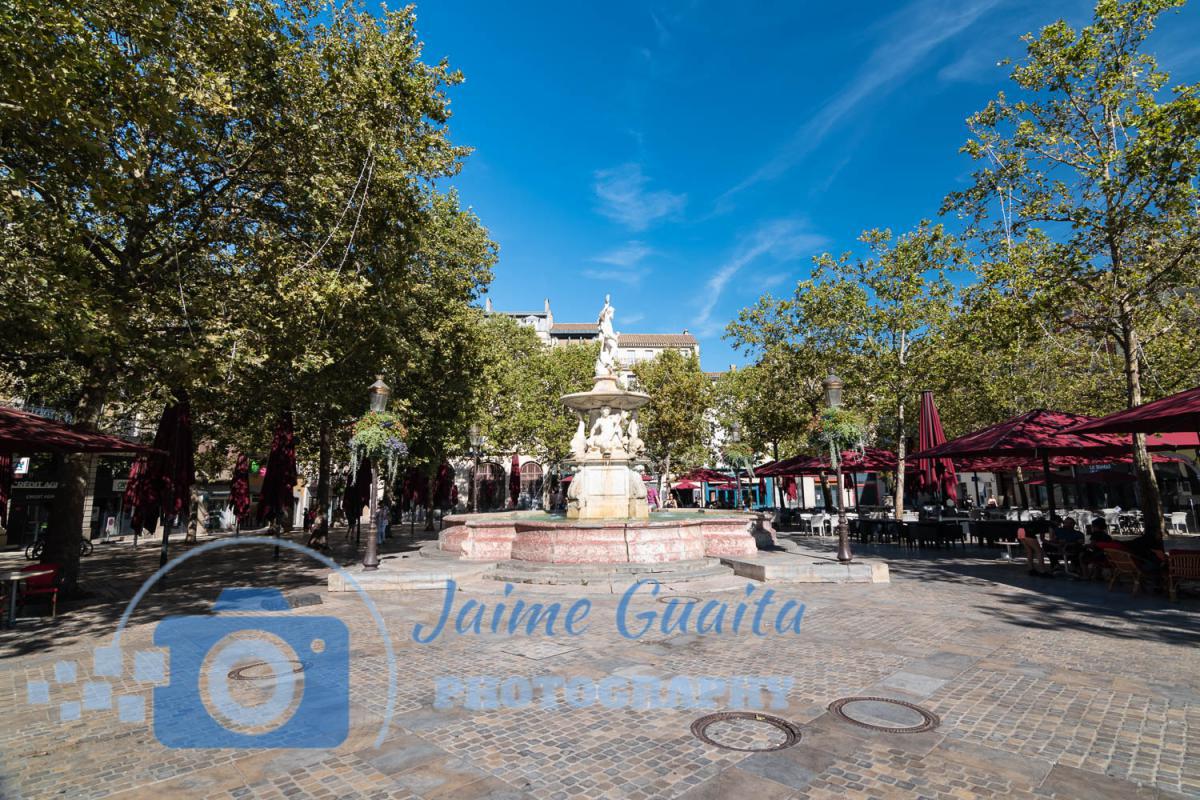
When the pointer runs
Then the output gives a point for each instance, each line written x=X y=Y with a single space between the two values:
x=379 y=393
x=833 y=390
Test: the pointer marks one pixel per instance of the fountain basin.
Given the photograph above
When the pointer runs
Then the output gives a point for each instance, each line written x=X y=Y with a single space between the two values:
x=536 y=536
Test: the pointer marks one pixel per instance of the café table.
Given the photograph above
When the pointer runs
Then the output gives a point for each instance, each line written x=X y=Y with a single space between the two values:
x=13 y=579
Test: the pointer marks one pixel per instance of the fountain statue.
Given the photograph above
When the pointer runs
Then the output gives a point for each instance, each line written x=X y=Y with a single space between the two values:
x=605 y=485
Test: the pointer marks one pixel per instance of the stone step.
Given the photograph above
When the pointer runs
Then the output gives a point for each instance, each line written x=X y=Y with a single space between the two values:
x=806 y=567
x=432 y=550
x=592 y=574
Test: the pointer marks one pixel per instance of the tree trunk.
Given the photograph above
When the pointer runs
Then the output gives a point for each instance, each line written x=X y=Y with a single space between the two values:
x=65 y=531
x=898 y=497
x=780 y=499
x=826 y=495
x=325 y=463
x=1152 y=516
x=665 y=484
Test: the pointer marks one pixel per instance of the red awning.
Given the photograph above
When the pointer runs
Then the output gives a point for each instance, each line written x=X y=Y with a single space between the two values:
x=22 y=432
x=871 y=459
x=1033 y=434
x=1179 y=412
x=707 y=476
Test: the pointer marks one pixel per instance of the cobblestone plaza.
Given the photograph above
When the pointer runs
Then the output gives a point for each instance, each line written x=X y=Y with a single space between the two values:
x=1043 y=688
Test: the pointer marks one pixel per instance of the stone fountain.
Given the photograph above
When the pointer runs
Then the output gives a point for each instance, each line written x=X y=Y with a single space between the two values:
x=607 y=520
x=607 y=444
x=608 y=538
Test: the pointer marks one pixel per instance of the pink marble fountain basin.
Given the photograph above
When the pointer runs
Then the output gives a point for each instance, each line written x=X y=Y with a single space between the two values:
x=552 y=539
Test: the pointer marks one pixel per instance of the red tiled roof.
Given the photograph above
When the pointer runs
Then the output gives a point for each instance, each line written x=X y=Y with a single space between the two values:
x=574 y=327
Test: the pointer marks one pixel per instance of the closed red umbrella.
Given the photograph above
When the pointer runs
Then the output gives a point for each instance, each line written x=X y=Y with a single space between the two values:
x=442 y=484
x=239 y=489
x=514 y=480
x=161 y=487
x=140 y=498
x=277 y=497
x=357 y=494
x=791 y=488
x=935 y=475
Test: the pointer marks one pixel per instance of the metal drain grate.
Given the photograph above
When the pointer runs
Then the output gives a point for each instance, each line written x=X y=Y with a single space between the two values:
x=884 y=714
x=746 y=731
x=239 y=674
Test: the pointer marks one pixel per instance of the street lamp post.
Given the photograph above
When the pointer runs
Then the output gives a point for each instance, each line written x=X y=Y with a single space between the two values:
x=379 y=394
x=833 y=399
x=735 y=438
x=476 y=446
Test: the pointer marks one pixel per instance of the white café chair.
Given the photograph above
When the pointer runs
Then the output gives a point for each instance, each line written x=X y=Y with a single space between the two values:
x=1179 y=521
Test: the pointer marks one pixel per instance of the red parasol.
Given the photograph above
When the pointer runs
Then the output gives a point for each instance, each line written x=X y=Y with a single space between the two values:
x=141 y=498
x=280 y=480
x=936 y=475
x=707 y=476
x=790 y=487
x=357 y=493
x=514 y=480
x=160 y=484
x=442 y=484
x=1178 y=412
x=22 y=432
x=239 y=488
x=871 y=459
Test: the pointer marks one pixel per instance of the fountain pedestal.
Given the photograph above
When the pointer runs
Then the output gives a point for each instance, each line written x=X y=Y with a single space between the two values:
x=606 y=446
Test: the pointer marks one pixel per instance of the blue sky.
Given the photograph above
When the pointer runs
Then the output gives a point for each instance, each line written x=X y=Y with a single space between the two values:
x=689 y=156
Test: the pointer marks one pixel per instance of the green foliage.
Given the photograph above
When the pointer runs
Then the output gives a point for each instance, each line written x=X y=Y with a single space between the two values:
x=837 y=430
x=521 y=385
x=674 y=424
x=379 y=436
x=1095 y=167
x=771 y=401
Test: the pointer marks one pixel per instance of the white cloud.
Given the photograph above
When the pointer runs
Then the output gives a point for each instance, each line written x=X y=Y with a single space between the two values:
x=629 y=277
x=624 y=198
x=629 y=254
x=772 y=280
x=911 y=34
x=782 y=240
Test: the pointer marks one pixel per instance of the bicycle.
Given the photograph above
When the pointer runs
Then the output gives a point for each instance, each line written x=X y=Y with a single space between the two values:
x=35 y=548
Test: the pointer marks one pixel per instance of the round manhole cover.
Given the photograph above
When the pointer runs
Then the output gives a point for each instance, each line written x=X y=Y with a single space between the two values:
x=679 y=598
x=746 y=731
x=884 y=714
x=261 y=670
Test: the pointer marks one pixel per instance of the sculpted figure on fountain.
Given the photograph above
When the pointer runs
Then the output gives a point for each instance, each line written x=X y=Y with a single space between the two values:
x=606 y=433
x=606 y=362
x=579 y=442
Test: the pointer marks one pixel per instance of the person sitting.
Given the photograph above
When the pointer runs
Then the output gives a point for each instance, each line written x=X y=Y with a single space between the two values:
x=1065 y=543
x=318 y=538
x=1034 y=554
x=1091 y=558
